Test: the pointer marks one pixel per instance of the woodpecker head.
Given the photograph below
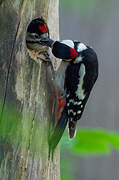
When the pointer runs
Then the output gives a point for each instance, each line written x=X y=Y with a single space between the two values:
x=36 y=31
x=61 y=49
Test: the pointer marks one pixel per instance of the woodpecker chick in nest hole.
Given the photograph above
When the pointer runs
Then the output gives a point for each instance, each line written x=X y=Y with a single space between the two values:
x=36 y=31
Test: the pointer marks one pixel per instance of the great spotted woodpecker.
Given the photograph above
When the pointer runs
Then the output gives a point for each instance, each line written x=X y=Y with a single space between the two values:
x=74 y=79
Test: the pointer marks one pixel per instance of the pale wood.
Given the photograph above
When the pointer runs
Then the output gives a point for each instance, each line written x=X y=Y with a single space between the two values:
x=28 y=87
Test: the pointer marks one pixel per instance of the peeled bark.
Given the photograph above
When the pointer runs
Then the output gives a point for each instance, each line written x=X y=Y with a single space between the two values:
x=27 y=97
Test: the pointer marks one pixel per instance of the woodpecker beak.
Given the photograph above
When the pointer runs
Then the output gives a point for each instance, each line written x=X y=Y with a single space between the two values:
x=47 y=42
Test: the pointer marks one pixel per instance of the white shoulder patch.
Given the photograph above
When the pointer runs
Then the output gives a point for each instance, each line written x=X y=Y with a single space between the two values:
x=68 y=43
x=81 y=47
x=80 y=91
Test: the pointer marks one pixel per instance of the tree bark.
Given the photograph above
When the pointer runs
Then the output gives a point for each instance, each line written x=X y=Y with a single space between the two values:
x=27 y=96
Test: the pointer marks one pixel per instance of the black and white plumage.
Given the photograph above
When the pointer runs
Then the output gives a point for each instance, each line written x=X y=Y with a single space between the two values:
x=78 y=76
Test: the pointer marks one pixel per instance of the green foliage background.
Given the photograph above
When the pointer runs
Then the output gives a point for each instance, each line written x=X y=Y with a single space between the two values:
x=88 y=142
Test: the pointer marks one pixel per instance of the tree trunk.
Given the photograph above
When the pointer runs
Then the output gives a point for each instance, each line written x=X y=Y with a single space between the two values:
x=27 y=96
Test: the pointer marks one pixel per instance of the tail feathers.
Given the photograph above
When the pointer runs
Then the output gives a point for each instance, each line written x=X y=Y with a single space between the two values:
x=72 y=129
x=58 y=132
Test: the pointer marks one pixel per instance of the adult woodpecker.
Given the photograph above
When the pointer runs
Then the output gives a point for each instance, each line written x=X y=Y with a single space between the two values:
x=80 y=72
x=74 y=80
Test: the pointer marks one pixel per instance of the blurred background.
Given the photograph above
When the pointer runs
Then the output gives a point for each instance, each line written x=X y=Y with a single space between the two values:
x=96 y=23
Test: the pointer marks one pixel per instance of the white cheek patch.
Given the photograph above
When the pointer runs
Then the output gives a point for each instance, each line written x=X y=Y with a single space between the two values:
x=80 y=91
x=78 y=59
x=81 y=47
x=68 y=43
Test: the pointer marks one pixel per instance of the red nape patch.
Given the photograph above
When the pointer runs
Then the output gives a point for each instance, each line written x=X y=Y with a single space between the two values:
x=73 y=53
x=61 y=104
x=43 y=28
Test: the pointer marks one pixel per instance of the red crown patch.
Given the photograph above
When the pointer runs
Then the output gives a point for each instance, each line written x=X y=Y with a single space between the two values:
x=43 y=28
